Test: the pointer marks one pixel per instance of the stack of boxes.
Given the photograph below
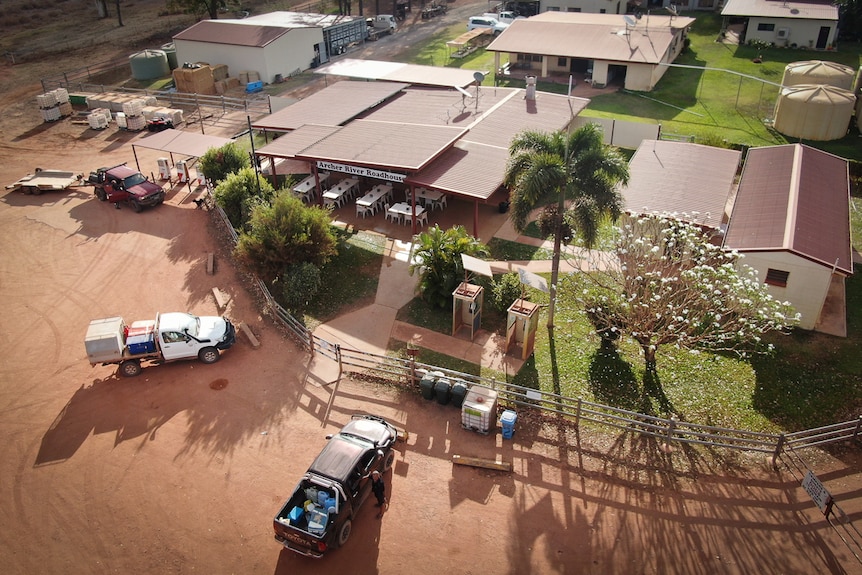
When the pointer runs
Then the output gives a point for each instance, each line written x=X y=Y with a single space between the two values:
x=54 y=104
x=134 y=115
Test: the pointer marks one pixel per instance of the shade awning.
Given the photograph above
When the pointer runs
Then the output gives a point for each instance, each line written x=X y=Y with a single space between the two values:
x=179 y=142
x=468 y=37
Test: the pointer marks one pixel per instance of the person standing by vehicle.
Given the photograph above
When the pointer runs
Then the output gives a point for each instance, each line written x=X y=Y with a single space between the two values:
x=378 y=488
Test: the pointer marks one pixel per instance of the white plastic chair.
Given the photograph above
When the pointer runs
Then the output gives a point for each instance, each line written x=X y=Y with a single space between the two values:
x=441 y=203
x=422 y=219
x=389 y=215
x=361 y=211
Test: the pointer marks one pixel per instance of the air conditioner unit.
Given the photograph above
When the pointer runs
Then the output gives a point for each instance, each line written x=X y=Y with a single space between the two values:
x=783 y=33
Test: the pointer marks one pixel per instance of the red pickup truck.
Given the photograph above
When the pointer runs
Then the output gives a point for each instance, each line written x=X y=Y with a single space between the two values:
x=123 y=184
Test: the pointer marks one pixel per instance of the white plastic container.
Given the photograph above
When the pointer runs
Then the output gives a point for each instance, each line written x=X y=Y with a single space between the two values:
x=136 y=123
x=97 y=121
x=121 y=120
x=479 y=410
x=51 y=114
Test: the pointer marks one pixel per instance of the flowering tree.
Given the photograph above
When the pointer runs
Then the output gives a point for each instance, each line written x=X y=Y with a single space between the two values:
x=665 y=283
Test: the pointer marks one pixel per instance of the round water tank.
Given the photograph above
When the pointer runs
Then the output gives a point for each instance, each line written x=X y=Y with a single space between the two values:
x=149 y=65
x=819 y=72
x=171 y=52
x=814 y=112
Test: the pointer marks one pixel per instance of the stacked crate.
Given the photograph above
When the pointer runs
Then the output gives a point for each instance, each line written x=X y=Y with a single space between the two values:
x=54 y=105
x=134 y=113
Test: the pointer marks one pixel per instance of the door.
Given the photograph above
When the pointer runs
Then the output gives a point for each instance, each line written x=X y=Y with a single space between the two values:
x=823 y=37
x=176 y=345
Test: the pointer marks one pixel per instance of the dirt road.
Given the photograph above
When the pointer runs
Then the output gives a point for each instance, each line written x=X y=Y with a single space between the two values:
x=182 y=469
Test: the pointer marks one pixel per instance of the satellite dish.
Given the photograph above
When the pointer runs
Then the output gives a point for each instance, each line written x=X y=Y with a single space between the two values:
x=479 y=77
x=629 y=20
x=639 y=14
x=672 y=9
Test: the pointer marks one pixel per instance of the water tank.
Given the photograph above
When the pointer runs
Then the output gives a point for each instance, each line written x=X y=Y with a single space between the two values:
x=814 y=112
x=171 y=52
x=149 y=65
x=819 y=72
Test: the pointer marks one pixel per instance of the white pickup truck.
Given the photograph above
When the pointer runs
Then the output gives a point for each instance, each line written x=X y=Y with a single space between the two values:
x=506 y=16
x=172 y=336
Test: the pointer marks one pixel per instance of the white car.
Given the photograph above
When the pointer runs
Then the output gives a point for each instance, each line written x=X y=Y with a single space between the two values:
x=478 y=22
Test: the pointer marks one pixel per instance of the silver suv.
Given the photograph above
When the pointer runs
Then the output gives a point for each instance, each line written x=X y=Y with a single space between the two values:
x=476 y=22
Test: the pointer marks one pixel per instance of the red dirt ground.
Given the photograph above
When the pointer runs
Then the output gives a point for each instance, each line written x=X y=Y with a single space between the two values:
x=182 y=469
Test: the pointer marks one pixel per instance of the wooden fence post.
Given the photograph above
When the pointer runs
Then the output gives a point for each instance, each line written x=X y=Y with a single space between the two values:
x=856 y=431
x=778 y=447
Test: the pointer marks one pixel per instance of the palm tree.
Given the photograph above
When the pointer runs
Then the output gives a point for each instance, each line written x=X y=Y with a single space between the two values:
x=437 y=258
x=554 y=169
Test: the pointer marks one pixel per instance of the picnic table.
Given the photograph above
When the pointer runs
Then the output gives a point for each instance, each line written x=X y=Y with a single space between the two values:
x=404 y=212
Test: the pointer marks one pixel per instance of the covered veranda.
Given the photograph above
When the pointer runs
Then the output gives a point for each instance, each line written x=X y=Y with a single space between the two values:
x=451 y=142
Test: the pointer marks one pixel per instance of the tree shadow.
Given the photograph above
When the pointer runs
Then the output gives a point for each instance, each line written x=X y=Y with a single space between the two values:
x=652 y=393
x=612 y=380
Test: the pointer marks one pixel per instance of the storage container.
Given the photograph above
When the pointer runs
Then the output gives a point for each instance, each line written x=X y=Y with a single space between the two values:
x=426 y=385
x=252 y=87
x=479 y=410
x=442 y=390
x=507 y=423
x=141 y=337
x=104 y=339
x=459 y=392
x=295 y=514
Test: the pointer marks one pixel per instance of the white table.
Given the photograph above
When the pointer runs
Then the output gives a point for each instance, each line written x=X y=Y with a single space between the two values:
x=405 y=211
x=334 y=194
x=427 y=195
x=372 y=197
x=308 y=184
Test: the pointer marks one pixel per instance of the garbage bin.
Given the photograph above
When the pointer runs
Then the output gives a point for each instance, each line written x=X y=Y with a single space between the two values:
x=459 y=392
x=507 y=423
x=426 y=385
x=443 y=390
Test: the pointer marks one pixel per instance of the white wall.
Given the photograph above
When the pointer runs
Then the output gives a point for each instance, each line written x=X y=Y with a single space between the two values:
x=291 y=52
x=592 y=6
x=803 y=33
x=807 y=284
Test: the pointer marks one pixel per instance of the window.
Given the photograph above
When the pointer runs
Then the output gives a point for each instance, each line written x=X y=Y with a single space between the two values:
x=553 y=8
x=765 y=27
x=562 y=62
x=570 y=9
x=777 y=277
x=602 y=11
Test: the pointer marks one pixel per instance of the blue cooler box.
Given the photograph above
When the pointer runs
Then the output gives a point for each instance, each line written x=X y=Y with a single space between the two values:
x=507 y=423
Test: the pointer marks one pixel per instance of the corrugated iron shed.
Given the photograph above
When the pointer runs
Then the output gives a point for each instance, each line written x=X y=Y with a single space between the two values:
x=794 y=198
x=690 y=180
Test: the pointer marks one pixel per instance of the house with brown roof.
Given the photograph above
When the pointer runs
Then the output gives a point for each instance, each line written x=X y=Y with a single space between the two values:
x=791 y=221
x=602 y=48
x=806 y=24
x=694 y=182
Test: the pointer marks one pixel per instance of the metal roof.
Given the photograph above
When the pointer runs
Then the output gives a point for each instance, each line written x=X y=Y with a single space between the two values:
x=681 y=178
x=593 y=36
x=399 y=72
x=781 y=9
x=794 y=198
x=335 y=105
x=180 y=142
x=406 y=147
x=232 y=33
x=299 y=19
x=415 y=132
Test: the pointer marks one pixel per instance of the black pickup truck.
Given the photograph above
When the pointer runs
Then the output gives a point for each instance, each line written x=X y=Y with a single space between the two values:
x=319 y=515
